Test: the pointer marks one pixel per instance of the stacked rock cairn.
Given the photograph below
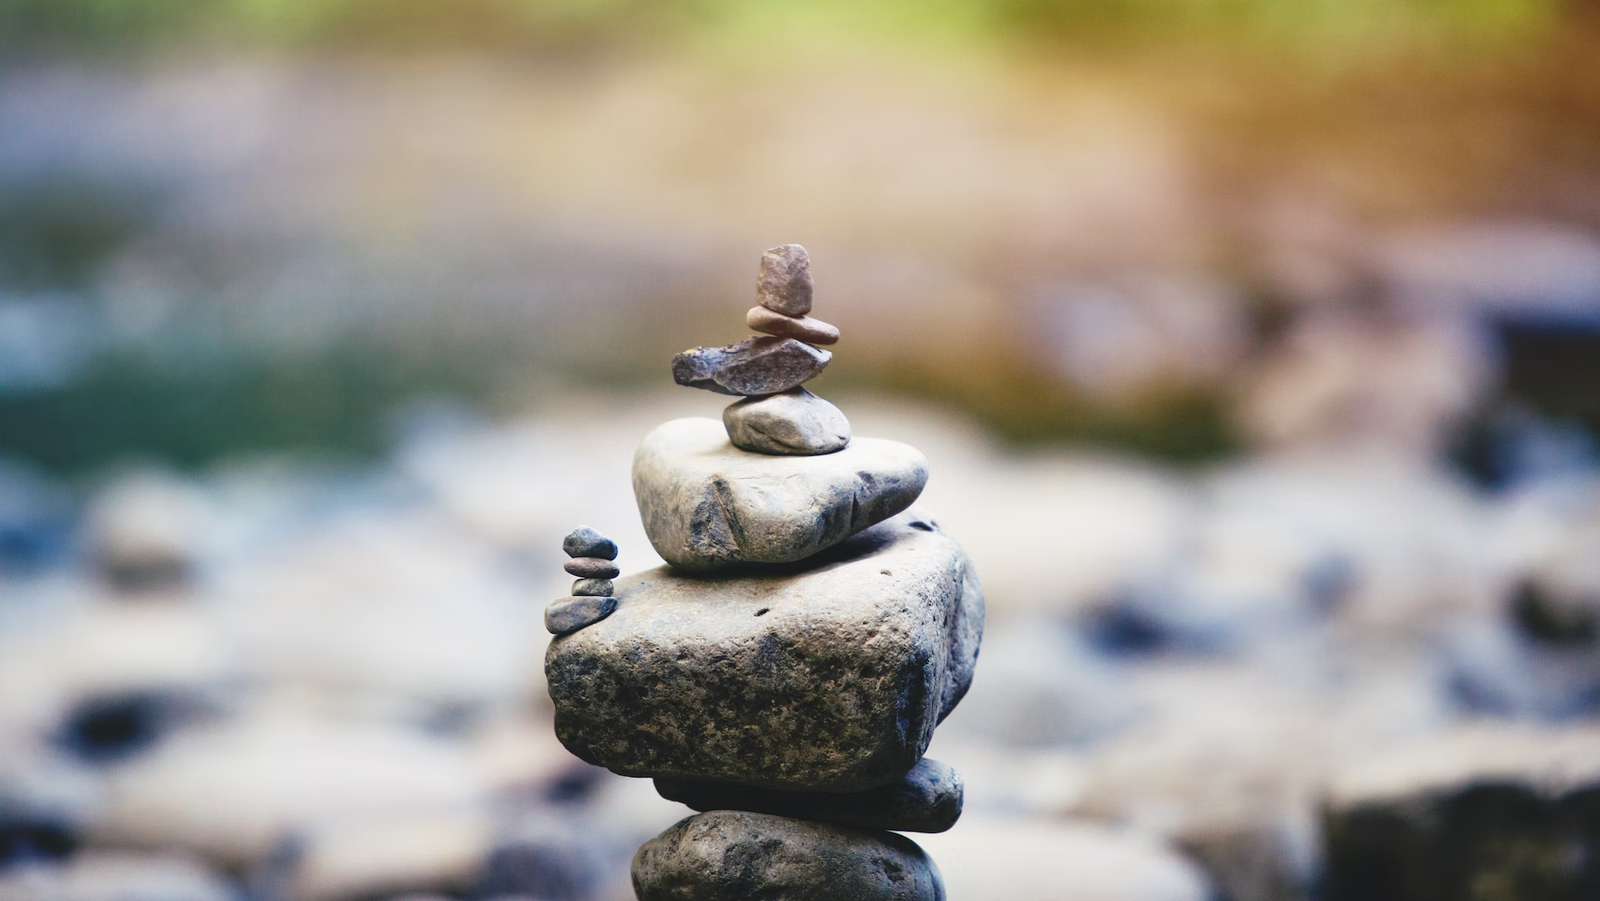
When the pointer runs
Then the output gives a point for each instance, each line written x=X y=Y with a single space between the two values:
x=784 y=672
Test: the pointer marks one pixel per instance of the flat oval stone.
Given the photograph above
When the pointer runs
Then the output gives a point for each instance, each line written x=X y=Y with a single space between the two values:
x=927 y=799
x=708 y=505
x=730 y=854
x=784 y=283
x=751 y=368
x=586 y=542
x=593 y=588
x=592 y=568
x=828 y=675
x=800 y=328
x=568 y=615
x=794 y=423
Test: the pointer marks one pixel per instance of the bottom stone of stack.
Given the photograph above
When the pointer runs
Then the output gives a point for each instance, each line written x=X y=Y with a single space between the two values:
x=728 y=855
x=927 y=799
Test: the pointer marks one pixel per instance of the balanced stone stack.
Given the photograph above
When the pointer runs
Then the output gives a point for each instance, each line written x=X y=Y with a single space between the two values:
x=784 y=673
x=593 y=562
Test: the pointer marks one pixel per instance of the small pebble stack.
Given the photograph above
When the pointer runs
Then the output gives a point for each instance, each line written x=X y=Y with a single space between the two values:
x=593 y=595
x=777 y=416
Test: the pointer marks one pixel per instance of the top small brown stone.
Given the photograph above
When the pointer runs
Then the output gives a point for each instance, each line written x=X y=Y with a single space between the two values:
x=784 y=285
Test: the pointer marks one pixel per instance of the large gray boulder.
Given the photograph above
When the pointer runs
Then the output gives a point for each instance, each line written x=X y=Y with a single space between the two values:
x=734 y=855
x=826 y=676
x=927 y=799
x=708 y=505
x=1492 y=812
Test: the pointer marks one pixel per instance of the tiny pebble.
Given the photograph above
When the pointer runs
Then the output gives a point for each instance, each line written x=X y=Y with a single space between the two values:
x=592 y=568
x=801 y=328
x=568 y=615
x=586 y=542
x=592 y=588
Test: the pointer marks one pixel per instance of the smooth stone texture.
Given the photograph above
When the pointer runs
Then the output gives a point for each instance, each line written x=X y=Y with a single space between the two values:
x=794 y=423
x=751 y=368
x=730 y=855
x=586 y=542
x=593 y=588
x=927 y=799
x=784 y=284
x=824 y=676
x=707 y=505
x=592 y=568
x=800 y=328
x=568 y=615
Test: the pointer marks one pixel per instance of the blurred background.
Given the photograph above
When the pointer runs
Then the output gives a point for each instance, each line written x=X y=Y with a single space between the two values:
x=1255 y=347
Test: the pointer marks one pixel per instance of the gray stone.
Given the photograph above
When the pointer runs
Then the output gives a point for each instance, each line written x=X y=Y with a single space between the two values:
x=592 y=588
x=794 y=423
x=784 y=285
x=728 y=854
x=927 y=799
x=592 y=568
x=800 y=328
x=751 y=368
x=586 y=542
x=824 y=676
x=568 y=615
x=707 y=505
x=1493 y=812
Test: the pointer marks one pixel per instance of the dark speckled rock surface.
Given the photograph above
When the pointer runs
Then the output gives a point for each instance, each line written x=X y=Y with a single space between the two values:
x=824 y=676
x=730 y=855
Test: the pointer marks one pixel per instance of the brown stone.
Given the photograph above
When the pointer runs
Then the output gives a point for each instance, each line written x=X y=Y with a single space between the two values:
x=784 y=285
x=801 y=328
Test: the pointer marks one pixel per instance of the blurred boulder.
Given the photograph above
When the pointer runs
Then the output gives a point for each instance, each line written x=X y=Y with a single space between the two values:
x=146 y=530
x=1492 y=812
x=1045 y=860
x=1369 y=380
x=47 y=803
x=109 y=876
x=233 y=792
x=366 y=856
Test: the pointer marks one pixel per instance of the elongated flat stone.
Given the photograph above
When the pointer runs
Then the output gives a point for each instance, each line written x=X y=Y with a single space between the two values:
x=568 y=615
x=800 y=328
x=593 y=568
x=784 y=284
x=794 y=423
x=751 y=368
x=729 y=855
x=707 y=505
x=824 y=676
x=927 y=799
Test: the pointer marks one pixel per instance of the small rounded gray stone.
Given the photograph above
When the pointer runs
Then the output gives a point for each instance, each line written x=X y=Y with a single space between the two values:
x=568 y=615
x=587 y=542
x=593 y=588
x=730 y=854
x=784 y=285
x=592 y=568
x=794 y=423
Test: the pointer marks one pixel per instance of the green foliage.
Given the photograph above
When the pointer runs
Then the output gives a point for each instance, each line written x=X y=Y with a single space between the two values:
x=1334 y=26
